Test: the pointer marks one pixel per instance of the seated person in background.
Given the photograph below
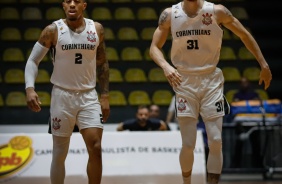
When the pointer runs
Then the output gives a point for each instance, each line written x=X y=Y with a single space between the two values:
x=245 y=92
x=142 y=122
x=155 y=112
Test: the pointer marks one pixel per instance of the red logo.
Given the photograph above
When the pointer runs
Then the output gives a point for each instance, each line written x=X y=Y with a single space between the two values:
x=207 y=19
x=56 y=123
x=181 y=105
x=91 y=36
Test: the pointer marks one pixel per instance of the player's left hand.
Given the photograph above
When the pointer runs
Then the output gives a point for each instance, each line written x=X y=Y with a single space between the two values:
x=105 y=106
x=266 y=77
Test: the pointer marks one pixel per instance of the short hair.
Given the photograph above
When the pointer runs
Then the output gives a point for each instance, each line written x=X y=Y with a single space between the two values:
x=142 y=107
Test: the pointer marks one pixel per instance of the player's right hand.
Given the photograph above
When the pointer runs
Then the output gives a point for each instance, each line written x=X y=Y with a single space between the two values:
x=32 y=100
x=172 y=75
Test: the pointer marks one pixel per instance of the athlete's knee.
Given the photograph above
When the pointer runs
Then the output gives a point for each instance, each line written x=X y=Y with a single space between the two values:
x=188 y=144
x=59 y=158
x=215 y=144
x=214 y=131
x=60 y=148
x=95 y=149
x=188 y=147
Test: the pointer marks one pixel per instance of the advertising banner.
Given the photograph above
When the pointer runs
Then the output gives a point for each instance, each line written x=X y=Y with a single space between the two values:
x=128 y=158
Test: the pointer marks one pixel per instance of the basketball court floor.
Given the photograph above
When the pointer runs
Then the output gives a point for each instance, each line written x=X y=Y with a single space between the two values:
x=249 y=179
x=251 y=182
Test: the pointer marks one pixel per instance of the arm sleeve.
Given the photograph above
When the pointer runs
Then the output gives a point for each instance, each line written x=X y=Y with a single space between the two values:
x=31 y=68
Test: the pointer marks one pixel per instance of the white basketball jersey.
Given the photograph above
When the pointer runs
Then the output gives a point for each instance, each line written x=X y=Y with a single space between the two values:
x=74 y=57
x=196 y=41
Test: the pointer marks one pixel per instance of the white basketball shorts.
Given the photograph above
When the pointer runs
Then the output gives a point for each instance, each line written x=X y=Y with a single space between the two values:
x=200 y=94
x=74 y=107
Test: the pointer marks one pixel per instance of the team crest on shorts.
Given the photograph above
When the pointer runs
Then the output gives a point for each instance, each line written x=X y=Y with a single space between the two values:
x=207 y=19
x=91 y=36
x=181 y=104
x=56 y=123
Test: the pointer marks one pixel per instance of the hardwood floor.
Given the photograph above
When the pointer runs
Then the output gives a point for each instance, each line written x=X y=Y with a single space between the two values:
x=251 y=182
x=248 y=179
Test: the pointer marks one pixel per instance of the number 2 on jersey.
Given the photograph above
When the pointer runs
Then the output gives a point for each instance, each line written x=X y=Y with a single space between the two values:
x=192 y=44
x=78 y=58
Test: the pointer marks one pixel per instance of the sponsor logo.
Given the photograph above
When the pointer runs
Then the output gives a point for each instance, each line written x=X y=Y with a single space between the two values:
x=62 y=30
x=15 y=155
x=176 y=16
x=207 y=19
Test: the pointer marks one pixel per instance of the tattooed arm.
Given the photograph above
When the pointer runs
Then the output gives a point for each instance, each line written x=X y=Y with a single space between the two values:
x=48 y=37
x=225 y=18
x=159 y=39
x=103 y=72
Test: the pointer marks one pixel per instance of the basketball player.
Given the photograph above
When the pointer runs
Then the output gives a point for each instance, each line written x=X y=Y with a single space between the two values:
x=78 y=50
x=195 y=26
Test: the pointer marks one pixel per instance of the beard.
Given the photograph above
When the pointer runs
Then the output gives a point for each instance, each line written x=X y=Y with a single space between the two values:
x=72 y=18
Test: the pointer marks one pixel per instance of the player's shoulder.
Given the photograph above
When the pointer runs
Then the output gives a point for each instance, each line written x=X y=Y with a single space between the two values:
x=98 y=24
x=219 y=6
x=51 y=26
x=222 y=13
x=89 y=21
x=50 y=29
x=167 y=11
x=99 y=27
x=165 y=17
x=220 y=9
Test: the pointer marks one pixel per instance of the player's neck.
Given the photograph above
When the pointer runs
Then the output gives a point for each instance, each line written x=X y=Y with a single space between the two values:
x=76 y=26
x=191 y=8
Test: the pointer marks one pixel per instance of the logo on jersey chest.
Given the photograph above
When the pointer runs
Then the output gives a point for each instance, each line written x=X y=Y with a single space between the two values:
x=207 y=19
x=91 y=36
